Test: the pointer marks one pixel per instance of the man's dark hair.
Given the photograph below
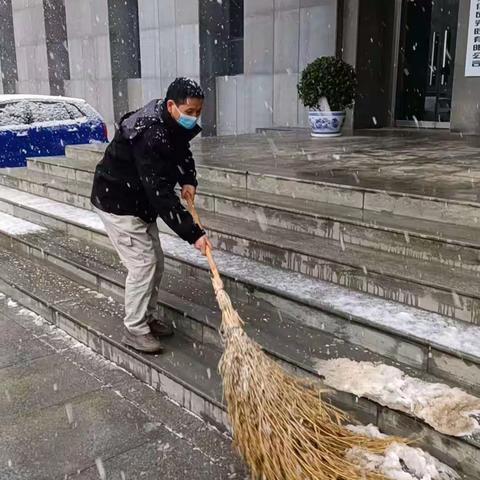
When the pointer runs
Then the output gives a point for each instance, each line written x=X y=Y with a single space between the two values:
x=182 y=88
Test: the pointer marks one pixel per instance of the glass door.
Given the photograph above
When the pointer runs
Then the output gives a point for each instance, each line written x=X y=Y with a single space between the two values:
x=426 y=61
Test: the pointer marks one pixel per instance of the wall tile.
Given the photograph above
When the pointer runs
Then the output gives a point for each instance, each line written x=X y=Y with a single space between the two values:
x=258 y=46
x=188 y=50
x=186 y=12
x=258 y=101
x=317 y=32
x=226 y=106
x=102 y=62
x=168 y=51
x=285 y=98
x=286 y=46
x=255 y=7
x=150 y=53
x=76 y=10
x=148 y=14
x=286 y=5
x=166 y=12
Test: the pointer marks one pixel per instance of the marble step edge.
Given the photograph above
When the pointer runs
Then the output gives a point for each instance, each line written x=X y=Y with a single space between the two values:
x=432 y=296
x=95 y=154
x=85 y=177
x=86 y=203
x=202 y=315
x=434 y=208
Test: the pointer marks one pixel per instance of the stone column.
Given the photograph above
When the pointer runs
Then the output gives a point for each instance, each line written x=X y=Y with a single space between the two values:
x=56 y=41
x=30 y=46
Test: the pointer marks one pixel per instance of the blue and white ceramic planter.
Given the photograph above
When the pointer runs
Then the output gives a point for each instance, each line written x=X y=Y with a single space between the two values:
x=326 y=124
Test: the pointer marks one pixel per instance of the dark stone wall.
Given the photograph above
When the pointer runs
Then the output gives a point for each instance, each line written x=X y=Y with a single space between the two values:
x=57 y=47
x=124 y=50
x=8 y=59
x=374 y=63
x=221 y=51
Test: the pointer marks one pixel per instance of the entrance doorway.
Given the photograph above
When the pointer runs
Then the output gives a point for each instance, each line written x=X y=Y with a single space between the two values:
x=426 y=63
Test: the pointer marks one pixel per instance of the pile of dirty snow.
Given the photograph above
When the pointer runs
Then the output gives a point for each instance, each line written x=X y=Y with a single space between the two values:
x=448 y=410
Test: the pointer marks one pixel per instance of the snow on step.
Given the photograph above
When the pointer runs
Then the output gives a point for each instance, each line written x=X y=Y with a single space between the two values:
x=51 y=207
x=426 y=327
x=16 y=226
x=448 y=410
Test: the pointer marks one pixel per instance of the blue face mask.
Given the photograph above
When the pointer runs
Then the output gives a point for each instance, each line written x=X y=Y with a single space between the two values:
x=186 y=121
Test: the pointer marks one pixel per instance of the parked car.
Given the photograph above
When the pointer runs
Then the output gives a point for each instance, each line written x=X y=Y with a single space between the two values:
x=40 y=126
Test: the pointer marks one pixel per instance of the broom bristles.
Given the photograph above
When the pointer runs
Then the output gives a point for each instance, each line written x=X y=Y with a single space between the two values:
x=281 y=426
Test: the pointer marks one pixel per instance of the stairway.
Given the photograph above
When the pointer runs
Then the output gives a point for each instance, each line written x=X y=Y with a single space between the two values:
x=324 y=273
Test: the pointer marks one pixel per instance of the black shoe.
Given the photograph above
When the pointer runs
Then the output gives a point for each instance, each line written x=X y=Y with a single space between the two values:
x=143 y=343
x=160 y=329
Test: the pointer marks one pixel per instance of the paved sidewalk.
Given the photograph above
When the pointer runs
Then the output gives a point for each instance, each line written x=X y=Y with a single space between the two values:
x=66 y=413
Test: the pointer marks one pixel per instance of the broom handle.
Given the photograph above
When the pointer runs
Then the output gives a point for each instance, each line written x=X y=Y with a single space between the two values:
x=208 y=251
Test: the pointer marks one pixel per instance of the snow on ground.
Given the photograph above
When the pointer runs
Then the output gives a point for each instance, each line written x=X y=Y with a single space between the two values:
x=36 y=319
x=16 y=226
x=400 y=461
x=448 y=410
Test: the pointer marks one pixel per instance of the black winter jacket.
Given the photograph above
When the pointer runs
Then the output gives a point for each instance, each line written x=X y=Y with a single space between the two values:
x=148 y=156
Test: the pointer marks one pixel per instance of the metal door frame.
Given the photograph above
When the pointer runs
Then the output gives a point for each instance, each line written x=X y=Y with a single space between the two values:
x=394 y=87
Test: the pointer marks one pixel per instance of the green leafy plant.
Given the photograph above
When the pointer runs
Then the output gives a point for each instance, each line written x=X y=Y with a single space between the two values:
x=331 y=78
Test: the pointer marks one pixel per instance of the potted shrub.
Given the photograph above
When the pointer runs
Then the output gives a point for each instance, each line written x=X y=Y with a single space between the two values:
x=328 y=87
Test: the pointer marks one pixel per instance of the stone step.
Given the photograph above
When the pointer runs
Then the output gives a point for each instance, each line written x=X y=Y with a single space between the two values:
x=449 y=288
x=423 y=207
x=448 y=244
x=280 y=334
x=446 y=348
x=187 y=372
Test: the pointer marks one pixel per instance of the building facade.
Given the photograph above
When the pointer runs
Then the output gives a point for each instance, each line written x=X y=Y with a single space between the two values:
x=412 y=56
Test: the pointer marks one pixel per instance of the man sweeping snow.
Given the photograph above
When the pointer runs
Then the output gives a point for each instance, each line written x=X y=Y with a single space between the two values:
x=134 y=184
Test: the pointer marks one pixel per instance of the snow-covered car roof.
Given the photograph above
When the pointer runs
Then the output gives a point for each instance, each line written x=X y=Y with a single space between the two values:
x=41 y=98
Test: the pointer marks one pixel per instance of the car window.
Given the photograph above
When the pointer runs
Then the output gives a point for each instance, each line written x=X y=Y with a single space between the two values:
x=48 y=112
x=74 y=111
x=27 y=112
x=15 y=113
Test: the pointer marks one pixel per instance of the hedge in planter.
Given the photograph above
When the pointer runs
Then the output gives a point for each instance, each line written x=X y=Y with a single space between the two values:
x=331 y=78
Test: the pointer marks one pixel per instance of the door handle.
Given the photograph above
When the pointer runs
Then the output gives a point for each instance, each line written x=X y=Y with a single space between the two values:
x=445 y=54
x=433 y=57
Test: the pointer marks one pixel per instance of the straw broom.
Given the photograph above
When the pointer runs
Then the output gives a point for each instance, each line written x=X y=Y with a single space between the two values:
x=281 y=426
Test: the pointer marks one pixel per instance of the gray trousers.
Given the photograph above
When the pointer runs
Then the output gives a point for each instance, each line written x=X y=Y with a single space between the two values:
x=139 y=248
